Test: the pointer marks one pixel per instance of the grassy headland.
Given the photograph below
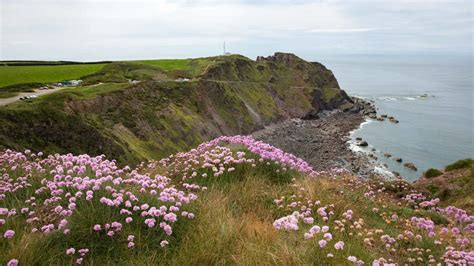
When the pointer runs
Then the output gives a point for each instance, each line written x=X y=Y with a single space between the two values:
x=161 y=114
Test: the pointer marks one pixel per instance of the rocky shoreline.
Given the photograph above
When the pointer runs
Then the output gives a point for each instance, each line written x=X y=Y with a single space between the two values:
x=323 y=140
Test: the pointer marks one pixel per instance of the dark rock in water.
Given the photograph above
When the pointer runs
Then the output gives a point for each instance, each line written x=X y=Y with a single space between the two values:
x=384 y=116
x=411 y=166
x=395 y=173
x=373 y=149
x=392 y=119
x=358 y=138
x=398 y=159
x=363 y=144
x=388 y=155
x=380 y=119
x=373 y=116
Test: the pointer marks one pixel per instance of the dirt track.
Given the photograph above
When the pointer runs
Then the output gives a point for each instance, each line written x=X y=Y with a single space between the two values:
x=5 y=101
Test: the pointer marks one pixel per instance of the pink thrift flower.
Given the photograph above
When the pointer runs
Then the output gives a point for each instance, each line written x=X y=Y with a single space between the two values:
x=352 y=259
x=70 y=251
x=9 y=234
x=79 y=260
x=97 y=227
x=315 y=229
x=164 y=243
x=322 y=243
x=327 y=236
x=12 y=262
x=339 y=245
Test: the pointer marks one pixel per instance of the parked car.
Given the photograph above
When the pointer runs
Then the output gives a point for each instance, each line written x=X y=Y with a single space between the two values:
x=29 y=97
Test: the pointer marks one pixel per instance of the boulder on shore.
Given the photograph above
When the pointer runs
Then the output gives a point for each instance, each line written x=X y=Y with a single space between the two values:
x=411 y=166
x=363 y=144
x=398 y=159
x=388 y=155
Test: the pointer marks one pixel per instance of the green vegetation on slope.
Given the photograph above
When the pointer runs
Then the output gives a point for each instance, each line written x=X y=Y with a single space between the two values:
x=461 y=164
x=227 y=95
x=432 y=172
x=453 y=186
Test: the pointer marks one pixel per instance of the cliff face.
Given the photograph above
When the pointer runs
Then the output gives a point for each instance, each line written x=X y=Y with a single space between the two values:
x=233 y=95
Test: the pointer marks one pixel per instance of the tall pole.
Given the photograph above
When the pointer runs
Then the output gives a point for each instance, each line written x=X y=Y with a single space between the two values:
x=224 y=48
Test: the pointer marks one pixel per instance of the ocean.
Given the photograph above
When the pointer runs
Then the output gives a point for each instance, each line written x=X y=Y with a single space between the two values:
x=431 y=96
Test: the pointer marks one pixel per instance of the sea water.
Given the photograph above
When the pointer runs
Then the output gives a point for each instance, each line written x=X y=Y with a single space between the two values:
x=431 y=96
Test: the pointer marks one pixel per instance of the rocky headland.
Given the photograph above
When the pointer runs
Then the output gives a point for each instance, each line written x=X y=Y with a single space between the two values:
x=323 y=139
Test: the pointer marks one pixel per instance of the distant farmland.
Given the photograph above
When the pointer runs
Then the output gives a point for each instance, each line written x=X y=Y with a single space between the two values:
x=11 y=75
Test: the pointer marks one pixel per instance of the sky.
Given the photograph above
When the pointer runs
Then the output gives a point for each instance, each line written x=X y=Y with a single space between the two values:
x=91 y=30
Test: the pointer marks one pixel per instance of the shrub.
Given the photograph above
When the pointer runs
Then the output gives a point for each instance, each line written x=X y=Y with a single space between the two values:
x=460 y=164
x=432 y=172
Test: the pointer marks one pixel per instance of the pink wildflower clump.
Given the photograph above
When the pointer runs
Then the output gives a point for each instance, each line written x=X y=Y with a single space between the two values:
x=12 y=262
x=339 y=245
x=289 y=222
x=70 y=251
x=9 y=234
x=71 y=184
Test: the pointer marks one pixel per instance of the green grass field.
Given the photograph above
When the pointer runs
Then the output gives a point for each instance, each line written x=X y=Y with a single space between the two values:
x=11 y=75
x=193 y=66
x=168 y=64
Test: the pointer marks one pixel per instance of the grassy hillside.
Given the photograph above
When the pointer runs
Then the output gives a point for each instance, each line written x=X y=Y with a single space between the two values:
x=453 y=185
x=11 y=75
x=232 y=201
x=159 y=116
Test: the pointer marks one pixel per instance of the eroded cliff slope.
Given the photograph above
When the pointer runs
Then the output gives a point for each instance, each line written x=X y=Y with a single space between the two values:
x=164 y=113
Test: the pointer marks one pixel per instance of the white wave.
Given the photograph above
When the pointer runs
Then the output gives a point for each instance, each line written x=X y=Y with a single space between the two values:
x=388 y=99
x=382 y=170
x=366 y=122
x=409 y=98
x=356 y=148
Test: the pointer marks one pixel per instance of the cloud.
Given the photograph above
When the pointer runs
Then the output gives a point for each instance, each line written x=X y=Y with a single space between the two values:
x=106 y=29
x=343 y=30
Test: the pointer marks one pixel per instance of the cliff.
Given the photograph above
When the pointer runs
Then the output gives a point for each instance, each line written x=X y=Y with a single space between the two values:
x=225 y=95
